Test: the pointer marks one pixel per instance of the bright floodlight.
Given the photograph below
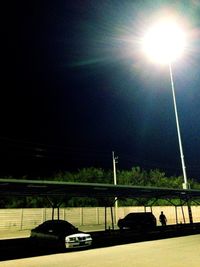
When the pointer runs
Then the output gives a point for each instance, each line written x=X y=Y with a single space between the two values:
x=164 y=42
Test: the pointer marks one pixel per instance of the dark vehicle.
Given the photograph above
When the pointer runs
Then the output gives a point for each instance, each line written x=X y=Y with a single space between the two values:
x=60 y=233
x=138 y=221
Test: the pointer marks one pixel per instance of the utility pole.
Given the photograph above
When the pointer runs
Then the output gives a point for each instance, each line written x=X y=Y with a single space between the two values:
x=115 y=183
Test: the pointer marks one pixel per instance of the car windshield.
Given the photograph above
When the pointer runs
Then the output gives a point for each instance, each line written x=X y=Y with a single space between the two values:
x=132 y=216
x=57 y=227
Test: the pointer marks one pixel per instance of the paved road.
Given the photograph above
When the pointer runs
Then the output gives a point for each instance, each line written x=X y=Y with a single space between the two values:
x=173 y=252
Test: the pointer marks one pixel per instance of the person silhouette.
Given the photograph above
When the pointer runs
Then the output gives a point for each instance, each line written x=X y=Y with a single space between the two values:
x=163 y=219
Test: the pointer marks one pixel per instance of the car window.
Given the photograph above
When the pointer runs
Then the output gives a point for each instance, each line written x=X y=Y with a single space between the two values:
x=138 y=216
x=130 y=216
x=57 y=227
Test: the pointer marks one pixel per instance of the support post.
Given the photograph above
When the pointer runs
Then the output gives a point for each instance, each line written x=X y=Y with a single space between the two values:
x=189 y=212
x=176 y=214
x=183 y=213
x=112 y=219
x=105 y=218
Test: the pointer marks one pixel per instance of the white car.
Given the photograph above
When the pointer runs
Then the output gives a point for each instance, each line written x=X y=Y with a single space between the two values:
x=60 y=233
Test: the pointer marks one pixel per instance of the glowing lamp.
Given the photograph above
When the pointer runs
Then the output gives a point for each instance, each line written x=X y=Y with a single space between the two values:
x=164 y=42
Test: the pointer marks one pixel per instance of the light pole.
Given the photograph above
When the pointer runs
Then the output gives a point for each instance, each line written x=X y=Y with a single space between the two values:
x=185 y=184
x=115 y=183
x=164 y=43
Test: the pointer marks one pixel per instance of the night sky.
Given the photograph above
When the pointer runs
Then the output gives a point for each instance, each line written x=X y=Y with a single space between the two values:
x=75 y=86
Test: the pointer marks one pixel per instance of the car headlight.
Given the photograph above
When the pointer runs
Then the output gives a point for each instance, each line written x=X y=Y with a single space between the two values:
x=71 y=239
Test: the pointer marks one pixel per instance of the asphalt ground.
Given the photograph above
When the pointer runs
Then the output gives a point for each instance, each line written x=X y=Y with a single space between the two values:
x=171 y=252
x=7 y=234
x=25 y=247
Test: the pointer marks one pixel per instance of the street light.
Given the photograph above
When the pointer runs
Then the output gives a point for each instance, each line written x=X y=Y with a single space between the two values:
x=164 y=43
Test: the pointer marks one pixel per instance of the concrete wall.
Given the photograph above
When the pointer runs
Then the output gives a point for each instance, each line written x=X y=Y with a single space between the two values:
x=26 y=219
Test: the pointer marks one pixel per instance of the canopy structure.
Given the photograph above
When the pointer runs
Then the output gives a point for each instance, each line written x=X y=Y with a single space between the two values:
x=57 y=189
x=15 y=187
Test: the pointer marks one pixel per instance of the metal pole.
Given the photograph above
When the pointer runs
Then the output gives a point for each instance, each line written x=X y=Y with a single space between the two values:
x=115 y=183
x=114 y=168
x=185 y=184
x=176 y=214
x=105 y=218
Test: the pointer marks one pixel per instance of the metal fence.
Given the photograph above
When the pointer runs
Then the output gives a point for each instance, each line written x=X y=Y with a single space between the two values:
x=26 y=219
